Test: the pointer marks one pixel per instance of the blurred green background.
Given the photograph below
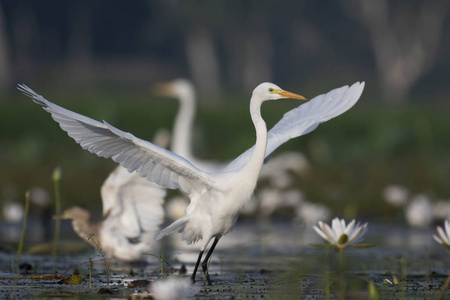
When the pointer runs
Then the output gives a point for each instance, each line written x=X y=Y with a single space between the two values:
x=102 y=59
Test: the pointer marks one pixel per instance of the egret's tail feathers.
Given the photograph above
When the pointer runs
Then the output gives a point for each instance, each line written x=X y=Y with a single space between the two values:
x=172 y=227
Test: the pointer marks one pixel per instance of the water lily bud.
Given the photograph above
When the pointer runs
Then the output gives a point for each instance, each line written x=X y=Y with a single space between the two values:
x=57 y=173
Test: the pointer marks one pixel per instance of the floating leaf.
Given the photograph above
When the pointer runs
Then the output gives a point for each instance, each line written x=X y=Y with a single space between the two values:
x=40 y=277
x=362 y=245
x=74 y=279
x=320 y=245
x=105 y=291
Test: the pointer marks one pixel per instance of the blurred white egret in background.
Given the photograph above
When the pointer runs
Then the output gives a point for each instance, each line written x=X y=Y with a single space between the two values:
x=13 y=212
x=311 y=213
x=441 y=210
x=216 y=199
x=396 y=195
x=12 y=215
x=419 y=211
x=181 y=143
x=290 y=202
x=279 y=170
x=272 y=200
x=39 y=197
x=132 y=214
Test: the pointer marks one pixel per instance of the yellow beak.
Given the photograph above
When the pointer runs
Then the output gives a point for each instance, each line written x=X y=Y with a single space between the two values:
x=163 y=89
x=290 y=95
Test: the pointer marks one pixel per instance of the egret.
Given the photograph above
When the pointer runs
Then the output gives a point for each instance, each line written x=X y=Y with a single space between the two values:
x=279 y=169
x=441 y=209
x=419 y=211
x=216 y=198
x=277 y=172
x=132 y=213
x=184 y=91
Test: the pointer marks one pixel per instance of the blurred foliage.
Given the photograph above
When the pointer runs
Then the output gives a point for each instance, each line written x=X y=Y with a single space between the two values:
x=353 y=157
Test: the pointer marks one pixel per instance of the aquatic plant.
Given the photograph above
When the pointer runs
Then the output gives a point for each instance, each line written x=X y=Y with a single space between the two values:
x=56 y=178
x=161 y=259
x=443 y=238
x=373 y=293
x=105 y=260
x=90 y=273
x=340 y=236
x=24 y=228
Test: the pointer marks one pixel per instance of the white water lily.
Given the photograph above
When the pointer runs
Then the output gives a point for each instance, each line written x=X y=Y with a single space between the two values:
x=443 y=236
x=339 y=234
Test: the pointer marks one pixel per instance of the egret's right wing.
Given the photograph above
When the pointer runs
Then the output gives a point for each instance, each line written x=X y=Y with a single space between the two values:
x=148 y=160
x=305 y=118
x=135 y=203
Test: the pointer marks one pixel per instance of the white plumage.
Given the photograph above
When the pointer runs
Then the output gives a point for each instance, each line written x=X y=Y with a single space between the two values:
x=132 y=214
x=216 y=199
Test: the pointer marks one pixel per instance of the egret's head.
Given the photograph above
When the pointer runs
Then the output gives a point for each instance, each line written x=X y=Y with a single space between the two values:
x=269 y=91
x=179 y=88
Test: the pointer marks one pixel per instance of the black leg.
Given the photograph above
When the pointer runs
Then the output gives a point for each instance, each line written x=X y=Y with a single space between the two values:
x=196 y=267
x=205 y=262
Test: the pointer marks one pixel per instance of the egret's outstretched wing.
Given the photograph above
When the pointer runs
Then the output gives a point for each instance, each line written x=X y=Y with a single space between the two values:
x=133 y=202
x=148 y=160
x=305 y=118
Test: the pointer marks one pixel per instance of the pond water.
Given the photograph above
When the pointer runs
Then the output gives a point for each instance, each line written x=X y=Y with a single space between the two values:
x=257 y=260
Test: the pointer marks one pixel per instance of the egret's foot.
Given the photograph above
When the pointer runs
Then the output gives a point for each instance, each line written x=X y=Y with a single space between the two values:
x=209 y=281
x=193 y=279
x=205 y=270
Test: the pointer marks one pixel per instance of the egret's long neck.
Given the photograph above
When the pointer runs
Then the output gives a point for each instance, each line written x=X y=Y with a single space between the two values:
x=181 y=140
x=256 y=160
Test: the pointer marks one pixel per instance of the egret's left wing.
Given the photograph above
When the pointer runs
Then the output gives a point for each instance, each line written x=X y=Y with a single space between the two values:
x=304 y=119
x=148 y=160
x=135 y=203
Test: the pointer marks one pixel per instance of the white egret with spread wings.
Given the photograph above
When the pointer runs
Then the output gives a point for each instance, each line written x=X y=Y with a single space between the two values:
x=216 y=199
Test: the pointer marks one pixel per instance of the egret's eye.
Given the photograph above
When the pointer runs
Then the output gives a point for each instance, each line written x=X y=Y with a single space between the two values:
x=271 y=90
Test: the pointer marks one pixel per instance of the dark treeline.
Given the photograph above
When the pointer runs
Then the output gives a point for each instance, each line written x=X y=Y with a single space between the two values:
x=399 y=47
